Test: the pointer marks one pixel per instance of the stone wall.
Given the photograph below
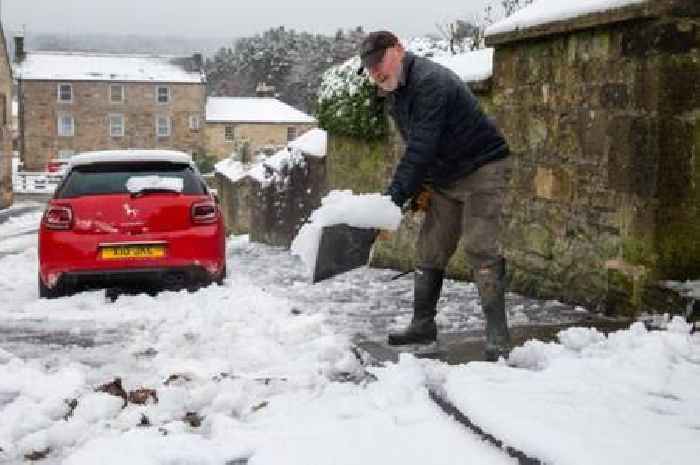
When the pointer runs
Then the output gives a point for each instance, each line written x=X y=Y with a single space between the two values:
x=273 y=210
x=91 y=108
x=602 y=114
x=258 y=135
x=5 y=125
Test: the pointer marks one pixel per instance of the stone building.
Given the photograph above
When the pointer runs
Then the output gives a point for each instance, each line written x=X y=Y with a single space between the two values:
x=257 y=122
x=5 y=124
x=72 y=102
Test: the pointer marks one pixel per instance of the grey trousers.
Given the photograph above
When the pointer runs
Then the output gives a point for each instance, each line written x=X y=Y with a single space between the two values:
x=471 y=208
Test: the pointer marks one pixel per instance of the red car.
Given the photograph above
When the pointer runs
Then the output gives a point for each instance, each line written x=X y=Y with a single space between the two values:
x=130 y=219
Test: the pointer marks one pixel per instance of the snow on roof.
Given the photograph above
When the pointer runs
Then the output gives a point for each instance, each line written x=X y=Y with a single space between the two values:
x=547 y=11
x=312 y=142
x=112 y=156
x=470 y=66
x=85 y=66
x=253 y=110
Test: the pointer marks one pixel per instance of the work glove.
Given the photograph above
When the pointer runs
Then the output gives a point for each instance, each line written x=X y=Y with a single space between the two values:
x=420 y=202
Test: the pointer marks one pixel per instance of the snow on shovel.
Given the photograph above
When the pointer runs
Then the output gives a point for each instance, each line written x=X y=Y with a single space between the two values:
x=339 y=234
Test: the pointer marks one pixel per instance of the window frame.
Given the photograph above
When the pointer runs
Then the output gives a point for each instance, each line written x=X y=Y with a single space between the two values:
x=110 y=126
x=169 y=126
x=59 y=95
x=195 y=127
x=59 y=128
x=232 y=138
x=293 y=131
x=111 y=95
x=170 y=94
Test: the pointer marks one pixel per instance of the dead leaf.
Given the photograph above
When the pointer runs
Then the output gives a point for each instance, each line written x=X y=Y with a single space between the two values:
x=114 y=388
x=141 y=396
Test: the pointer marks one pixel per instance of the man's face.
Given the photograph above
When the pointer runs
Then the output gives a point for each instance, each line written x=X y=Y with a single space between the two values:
x=385 y=74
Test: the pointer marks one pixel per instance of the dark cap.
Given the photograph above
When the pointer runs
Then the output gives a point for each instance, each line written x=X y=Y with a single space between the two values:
x=373 y=47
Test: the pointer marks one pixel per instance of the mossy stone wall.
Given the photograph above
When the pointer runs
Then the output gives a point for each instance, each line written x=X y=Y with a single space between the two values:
x=602 y=116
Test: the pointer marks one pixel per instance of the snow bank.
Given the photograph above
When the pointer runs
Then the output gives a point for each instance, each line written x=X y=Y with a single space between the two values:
x=139 y=183
x=273 y=168
x=268 y=169
x=344 y=207
x=234 y=170
x=312 y=142
x=629 y=397
x=548 y=11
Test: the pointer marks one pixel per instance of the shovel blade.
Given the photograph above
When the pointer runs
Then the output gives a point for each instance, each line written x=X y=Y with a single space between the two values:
x=342 y=248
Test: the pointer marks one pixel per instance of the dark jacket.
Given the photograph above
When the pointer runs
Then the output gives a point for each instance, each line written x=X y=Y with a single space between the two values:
x=446 y=133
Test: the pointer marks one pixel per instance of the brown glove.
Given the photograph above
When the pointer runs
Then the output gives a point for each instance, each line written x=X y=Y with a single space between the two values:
x=420 y=201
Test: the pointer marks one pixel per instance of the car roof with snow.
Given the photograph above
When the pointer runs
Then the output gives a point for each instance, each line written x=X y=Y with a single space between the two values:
x=121 y=156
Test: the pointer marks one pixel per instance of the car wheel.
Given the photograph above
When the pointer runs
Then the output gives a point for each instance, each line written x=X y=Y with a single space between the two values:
x=46 y=292
x=220 y=279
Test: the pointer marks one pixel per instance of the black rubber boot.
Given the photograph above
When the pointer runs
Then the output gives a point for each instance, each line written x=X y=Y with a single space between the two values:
x=490 y=279
x=426 y=292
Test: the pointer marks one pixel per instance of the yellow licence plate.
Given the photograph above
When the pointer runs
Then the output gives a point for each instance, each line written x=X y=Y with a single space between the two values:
x=132 y=251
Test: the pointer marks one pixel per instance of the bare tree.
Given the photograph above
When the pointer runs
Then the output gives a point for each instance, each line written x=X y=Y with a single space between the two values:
x=458 y=33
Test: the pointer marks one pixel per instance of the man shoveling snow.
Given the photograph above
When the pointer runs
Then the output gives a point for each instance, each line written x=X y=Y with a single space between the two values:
x=455 y=157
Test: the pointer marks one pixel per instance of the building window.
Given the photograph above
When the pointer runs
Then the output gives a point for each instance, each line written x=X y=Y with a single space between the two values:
x=65 y=154
x=116 y=125
x=163 y=94
x=291 y=133
x=66 y=126
x=230 y=133
x=65 y=92
x=116 y=93
x=194 y=122
x=163 y=126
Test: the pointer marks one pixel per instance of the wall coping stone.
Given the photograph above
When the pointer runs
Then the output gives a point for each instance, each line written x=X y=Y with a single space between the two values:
x=650 y=9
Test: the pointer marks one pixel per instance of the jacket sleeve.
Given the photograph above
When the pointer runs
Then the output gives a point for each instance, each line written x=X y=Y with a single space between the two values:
x=427 y=120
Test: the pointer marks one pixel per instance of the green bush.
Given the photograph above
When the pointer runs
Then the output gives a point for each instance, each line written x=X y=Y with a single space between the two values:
x=348 y=103
x=205 y=163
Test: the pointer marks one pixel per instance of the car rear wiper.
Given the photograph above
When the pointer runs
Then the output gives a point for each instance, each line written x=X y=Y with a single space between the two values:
x=151 y=190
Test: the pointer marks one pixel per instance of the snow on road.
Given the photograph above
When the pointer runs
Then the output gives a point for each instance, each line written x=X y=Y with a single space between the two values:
x=266 y=363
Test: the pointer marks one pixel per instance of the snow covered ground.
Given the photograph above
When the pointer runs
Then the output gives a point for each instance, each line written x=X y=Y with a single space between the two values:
x=265 y=364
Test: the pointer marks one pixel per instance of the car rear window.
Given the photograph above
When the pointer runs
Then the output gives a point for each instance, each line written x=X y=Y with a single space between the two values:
x=112 y=178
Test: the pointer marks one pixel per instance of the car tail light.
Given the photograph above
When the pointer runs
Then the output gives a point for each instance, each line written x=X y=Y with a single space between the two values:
x=58 y=217
x=204 y=212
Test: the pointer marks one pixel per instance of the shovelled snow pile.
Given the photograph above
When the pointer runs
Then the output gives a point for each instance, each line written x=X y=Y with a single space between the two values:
x=548 y=11
x=627 y=397
x=344 y=207
x=313 y=142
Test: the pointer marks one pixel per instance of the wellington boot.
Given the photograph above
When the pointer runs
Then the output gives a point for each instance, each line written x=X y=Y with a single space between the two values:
x=426 y=292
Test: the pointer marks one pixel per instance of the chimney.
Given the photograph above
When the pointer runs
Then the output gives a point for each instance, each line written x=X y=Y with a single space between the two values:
x=197 y=61
x=19 y=49
x=263 y=90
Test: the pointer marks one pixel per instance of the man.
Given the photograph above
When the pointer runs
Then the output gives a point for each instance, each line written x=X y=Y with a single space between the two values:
x=457 y=154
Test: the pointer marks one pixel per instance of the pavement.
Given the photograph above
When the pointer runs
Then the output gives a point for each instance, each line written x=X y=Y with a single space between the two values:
x=468 y=346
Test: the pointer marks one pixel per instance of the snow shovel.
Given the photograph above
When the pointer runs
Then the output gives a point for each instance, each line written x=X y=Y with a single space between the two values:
x=342 y=248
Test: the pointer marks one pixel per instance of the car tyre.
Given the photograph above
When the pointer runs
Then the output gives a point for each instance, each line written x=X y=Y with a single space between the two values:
x=220 y=279
x=46 y=292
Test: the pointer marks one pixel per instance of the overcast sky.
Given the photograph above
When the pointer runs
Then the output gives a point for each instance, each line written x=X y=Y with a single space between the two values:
x=230 y=18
